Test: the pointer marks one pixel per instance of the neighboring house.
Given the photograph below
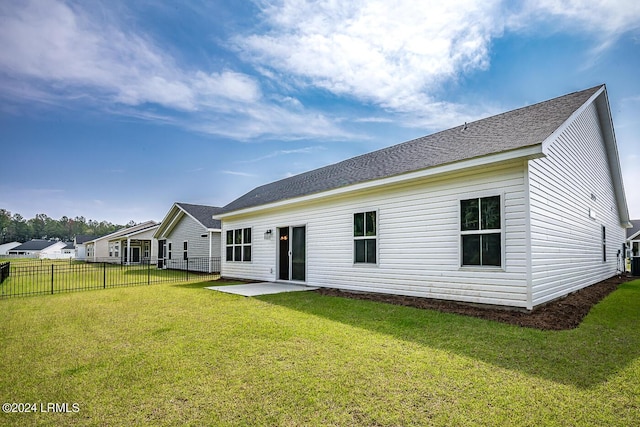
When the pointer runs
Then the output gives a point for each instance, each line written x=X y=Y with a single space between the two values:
x=69 y=251
x=80 y=243
x=38 y=248
x=6 y=247
x=516 y=210
x=633 y=239
x=189 y=237
x=127 y=245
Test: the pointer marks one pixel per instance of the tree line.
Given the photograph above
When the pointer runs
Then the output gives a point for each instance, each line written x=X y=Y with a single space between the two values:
x=15 y=228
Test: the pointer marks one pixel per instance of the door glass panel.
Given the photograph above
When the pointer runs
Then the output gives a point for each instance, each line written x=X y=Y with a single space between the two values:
x=298 y=253
x=283 y=257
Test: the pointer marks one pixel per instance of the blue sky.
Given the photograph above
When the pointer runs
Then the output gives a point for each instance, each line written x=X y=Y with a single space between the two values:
x=113 y=110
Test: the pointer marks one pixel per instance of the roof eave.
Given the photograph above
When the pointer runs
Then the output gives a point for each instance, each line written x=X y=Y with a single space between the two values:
x=525 y=153
x=608 y=133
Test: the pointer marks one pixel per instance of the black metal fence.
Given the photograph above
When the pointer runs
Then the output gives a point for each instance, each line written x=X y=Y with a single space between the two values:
x=4 y=271
x=41 y=277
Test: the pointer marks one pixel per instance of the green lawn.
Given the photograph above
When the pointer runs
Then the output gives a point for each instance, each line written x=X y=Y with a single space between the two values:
x=34 y=277
x=175 y=354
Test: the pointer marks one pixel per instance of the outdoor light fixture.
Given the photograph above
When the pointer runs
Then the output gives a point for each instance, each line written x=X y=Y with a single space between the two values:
x=267 y=234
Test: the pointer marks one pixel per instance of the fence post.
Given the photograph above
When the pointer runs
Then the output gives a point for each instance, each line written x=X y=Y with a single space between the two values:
x=149 y=272
x=187 y=268
x=52 y=279
x=104 y=275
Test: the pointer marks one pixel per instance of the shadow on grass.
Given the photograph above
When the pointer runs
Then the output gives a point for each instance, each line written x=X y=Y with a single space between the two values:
x=606 y=342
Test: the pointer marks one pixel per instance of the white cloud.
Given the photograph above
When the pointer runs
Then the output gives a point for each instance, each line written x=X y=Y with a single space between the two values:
x=69 y=52
x=278 y=153
x=392 y=54
x=56 y=53
x=605 y=20
x=236 y=173
x=397 y=55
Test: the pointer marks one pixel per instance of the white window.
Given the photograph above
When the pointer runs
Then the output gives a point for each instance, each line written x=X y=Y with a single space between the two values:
x=185 y=247
x=116 y=250
x=238 y=245
x=481 y=231
x=365 y=238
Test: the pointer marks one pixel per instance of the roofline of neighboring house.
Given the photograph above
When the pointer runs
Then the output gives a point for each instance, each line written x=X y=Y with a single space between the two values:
x=124 y=231
x=175 y=214
x=634 y=236
x=133 y=233
x=531 y=152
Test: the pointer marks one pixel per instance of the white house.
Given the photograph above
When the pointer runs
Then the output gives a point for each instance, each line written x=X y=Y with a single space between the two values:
x=127 y=245
x=38 y=248
x=80 y=245
x=6 y=247
x=515 y=209
x=633 y=241
x=189 y=238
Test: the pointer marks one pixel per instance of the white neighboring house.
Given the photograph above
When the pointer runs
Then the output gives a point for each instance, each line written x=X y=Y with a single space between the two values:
x=6 y=247
x=39 y=248
x=69 y=251
x=80 y=244
x=633 y=240
x=189 y=238
x=516 y=209
x=136 y=244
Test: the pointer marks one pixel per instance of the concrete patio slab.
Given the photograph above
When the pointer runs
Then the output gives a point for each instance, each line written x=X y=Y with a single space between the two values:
x=264 y=288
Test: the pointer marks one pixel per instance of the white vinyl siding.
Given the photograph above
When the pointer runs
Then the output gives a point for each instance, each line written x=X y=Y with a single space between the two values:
x=197 y=239
x=418 y=246
x=571 y=199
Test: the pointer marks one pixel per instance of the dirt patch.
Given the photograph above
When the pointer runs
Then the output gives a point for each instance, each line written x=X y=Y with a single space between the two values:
x=561 y=314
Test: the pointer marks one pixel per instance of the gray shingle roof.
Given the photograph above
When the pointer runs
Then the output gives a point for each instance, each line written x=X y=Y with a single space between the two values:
x=82 y=238
x=635 y=229
x=203 y=214
x=512 y=130
x=34 y=245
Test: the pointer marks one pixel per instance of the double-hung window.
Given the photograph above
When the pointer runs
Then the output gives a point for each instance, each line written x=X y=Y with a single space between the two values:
x=365 y=238
x=481 y=231
x=238 y=244
x=185 y=247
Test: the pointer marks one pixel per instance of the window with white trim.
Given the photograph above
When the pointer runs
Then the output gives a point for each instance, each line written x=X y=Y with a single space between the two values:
x=185 y=247
x=116 y=250
x=238 y=245
x=365 y=238
x=481 y=231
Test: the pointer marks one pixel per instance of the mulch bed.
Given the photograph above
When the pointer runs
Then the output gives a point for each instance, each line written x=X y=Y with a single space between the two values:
x=561 y=314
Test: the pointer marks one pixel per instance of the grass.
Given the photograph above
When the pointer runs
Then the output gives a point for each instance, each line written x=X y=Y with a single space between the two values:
x=181 y=355
x=33 y=277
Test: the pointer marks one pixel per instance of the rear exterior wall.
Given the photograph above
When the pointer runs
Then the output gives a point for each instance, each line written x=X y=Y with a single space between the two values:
x=419 y=242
